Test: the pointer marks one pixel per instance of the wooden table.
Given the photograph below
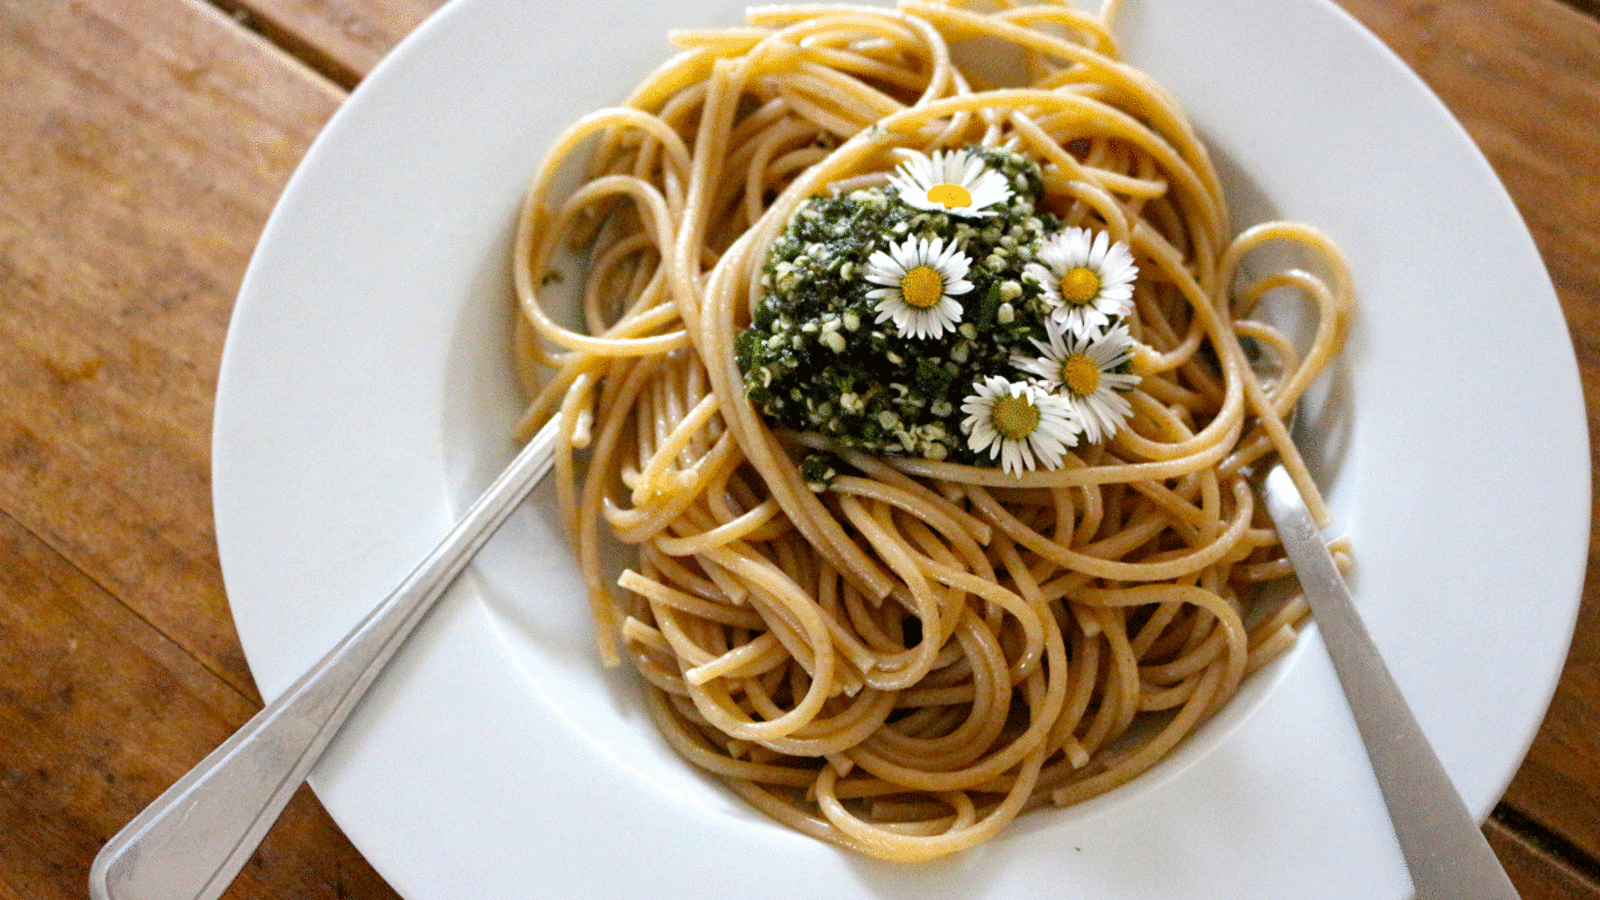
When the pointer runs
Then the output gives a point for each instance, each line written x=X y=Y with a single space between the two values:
x=142 y=144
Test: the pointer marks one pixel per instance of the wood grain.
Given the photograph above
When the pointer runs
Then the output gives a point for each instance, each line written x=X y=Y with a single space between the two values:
x=1536 y=872
x=342 y=40
x=145 y=142
x=99 y=712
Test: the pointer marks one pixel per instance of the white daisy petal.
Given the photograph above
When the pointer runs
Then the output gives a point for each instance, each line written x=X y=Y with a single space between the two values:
x=958 y=182
x=1018 y=423
x=1086 y=278
x=1082 y=372
x=920 y=280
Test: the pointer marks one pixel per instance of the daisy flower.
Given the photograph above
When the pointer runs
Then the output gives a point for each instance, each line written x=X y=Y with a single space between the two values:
x=1081 y=371
x=920 y=279
x=1018 y=421
x=1086 y=278
x=957 y=182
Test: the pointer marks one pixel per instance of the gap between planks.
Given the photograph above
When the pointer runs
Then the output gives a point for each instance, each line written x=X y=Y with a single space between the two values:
x=1587 y=7
x=1548 y=842
x=307 y=53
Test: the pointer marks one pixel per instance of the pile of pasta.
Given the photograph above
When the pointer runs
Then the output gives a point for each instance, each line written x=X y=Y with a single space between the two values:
x=906 y=661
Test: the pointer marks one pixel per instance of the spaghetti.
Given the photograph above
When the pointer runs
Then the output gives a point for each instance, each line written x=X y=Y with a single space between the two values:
x=903 y=660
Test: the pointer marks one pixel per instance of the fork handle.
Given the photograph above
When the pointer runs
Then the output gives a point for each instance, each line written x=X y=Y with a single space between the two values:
x=1444 y=848
x=191 y=842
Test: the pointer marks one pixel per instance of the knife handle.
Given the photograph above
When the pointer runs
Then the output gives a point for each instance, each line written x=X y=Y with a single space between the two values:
x=1443 y=846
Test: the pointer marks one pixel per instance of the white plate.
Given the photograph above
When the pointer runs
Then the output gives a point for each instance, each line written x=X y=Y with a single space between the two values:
x=365 y=397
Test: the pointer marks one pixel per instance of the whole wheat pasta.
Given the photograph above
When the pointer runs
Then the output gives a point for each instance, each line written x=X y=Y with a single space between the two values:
x=902 y=659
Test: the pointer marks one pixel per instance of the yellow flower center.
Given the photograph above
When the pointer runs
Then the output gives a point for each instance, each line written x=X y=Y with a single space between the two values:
x=1080 y=285
x=1014 y=417
x=951 y=195
x=1080 y=375
x=922 y=287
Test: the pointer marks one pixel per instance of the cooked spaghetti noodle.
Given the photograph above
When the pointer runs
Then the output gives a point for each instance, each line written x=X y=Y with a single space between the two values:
x=904 y=661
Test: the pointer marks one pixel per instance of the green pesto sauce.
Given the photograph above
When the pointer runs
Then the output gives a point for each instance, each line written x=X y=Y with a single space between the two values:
x=815 y=359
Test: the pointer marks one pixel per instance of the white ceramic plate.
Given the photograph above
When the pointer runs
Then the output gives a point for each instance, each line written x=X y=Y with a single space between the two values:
x=365 y=398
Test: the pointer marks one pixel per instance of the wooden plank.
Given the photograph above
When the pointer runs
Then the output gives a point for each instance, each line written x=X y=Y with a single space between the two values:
x=146 y=142
x=1536 y=873
x=1559 y=784
x=1524 y=78
x=342 y=39
x=99 y=712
